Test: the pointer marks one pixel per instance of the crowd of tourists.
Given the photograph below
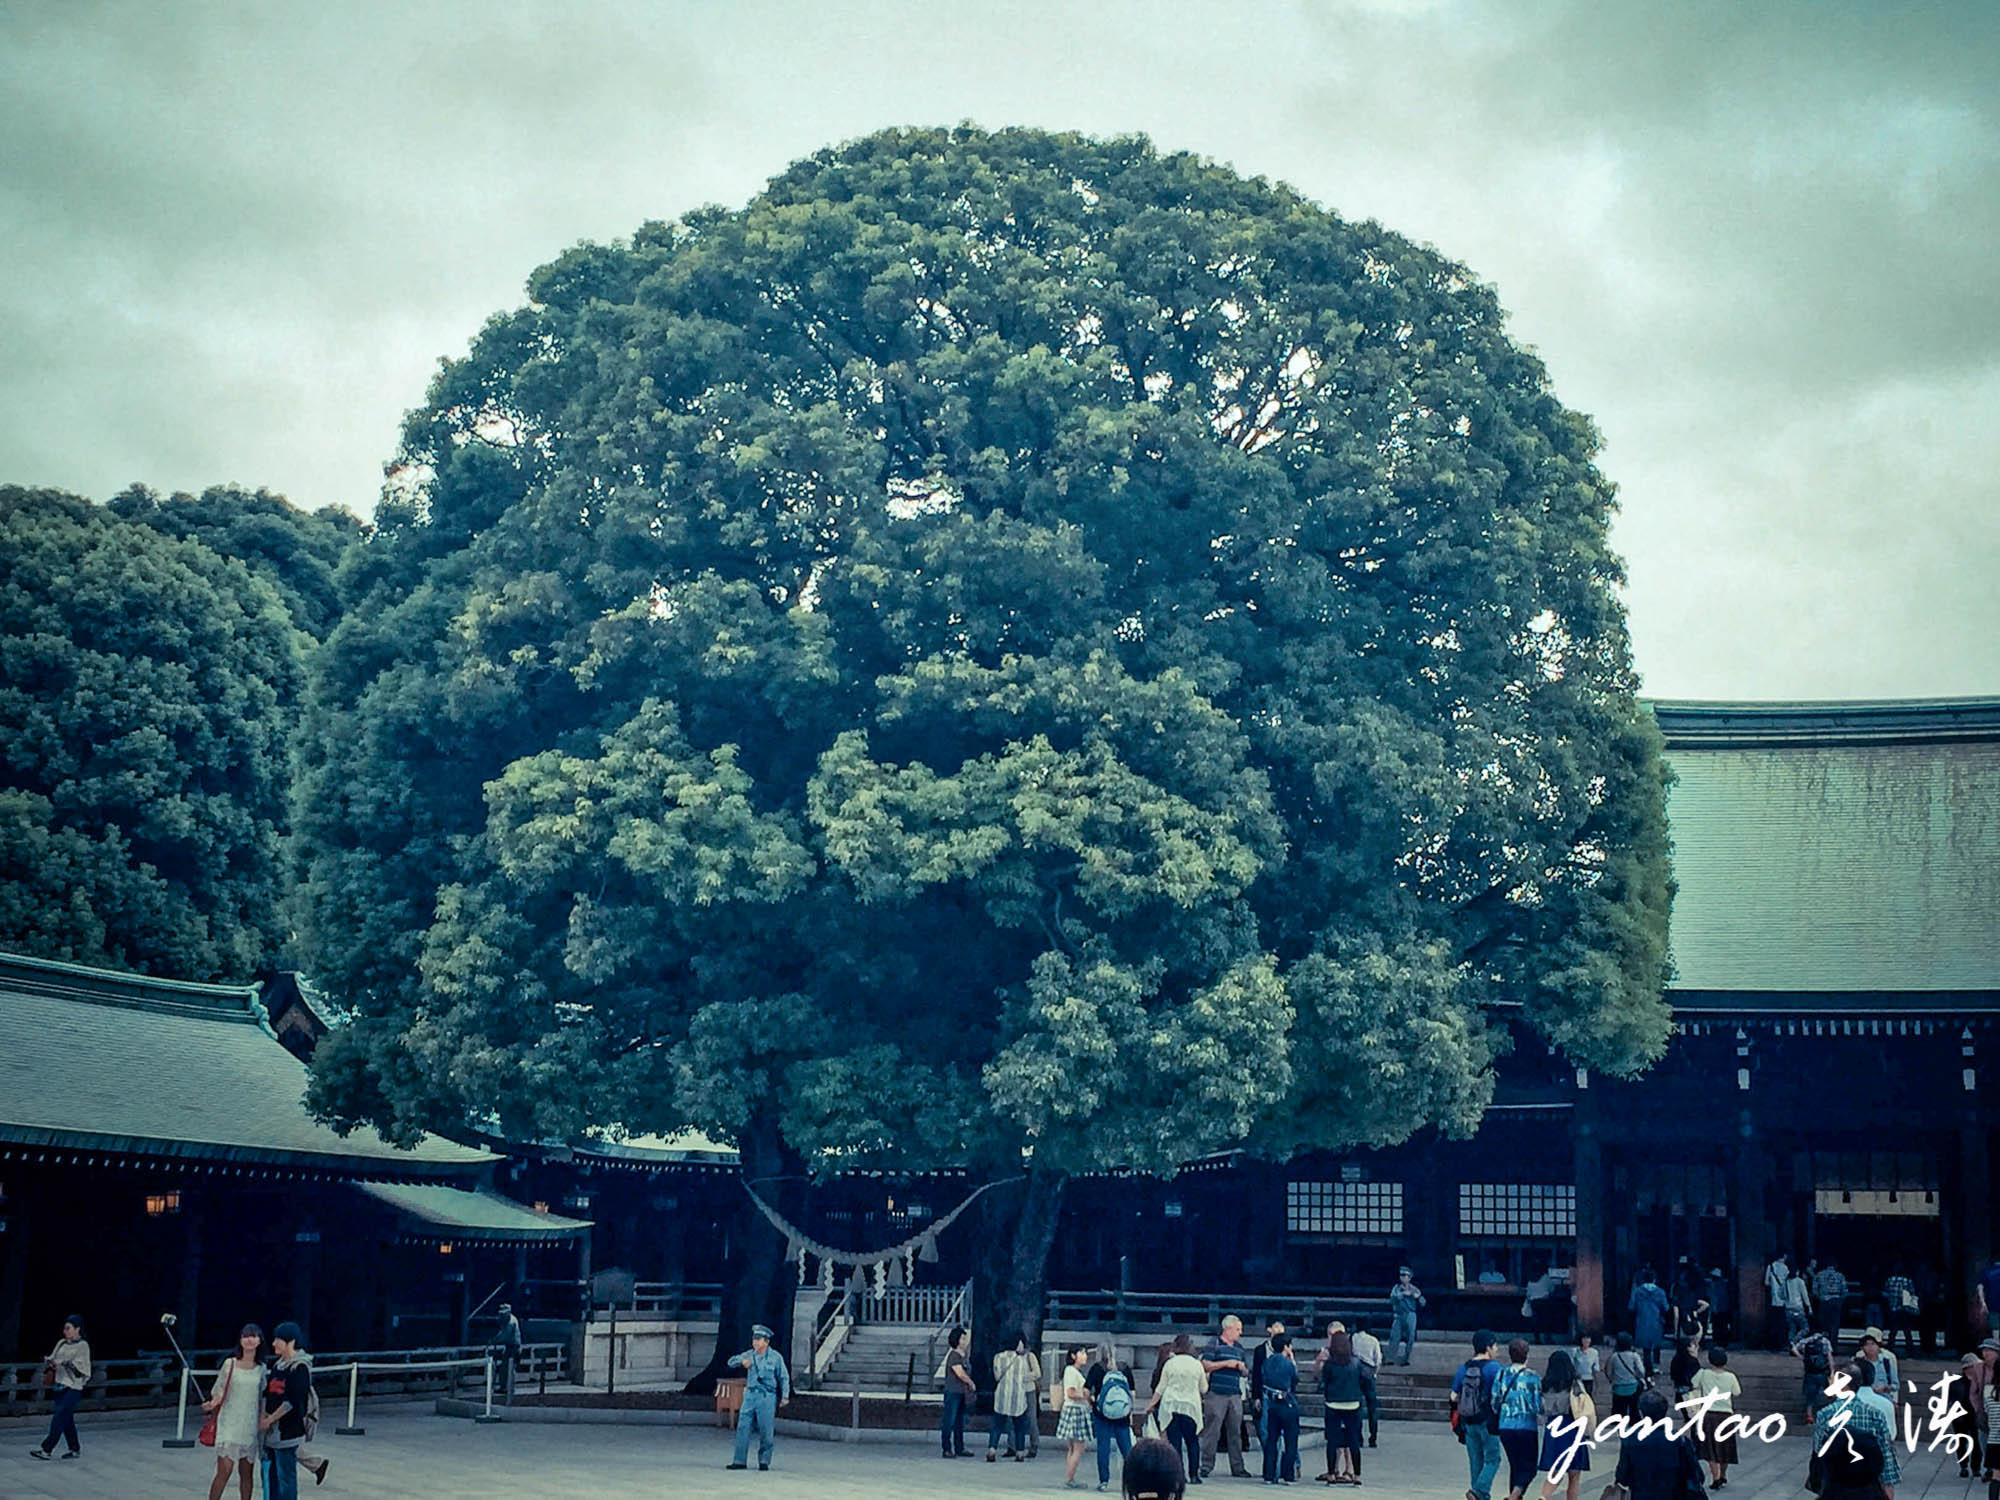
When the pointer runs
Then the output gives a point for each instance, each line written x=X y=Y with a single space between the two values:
x=1204 y=1401
x=1217 y=1399
x=1662 y=1366
x=1803 y=1294
x=1502 y=1408
x=1224 y=1398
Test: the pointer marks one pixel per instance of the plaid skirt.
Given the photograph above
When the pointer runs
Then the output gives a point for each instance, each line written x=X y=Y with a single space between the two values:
x=1073 y=1423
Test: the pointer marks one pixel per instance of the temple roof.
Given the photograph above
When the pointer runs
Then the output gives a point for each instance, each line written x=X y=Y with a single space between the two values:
x=439 y=1211
x=1836 y=848
x=125 y=1065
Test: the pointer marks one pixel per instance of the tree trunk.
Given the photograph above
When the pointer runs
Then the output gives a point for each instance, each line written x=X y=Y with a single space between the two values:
x=758 y=1280
x=1017 y=1229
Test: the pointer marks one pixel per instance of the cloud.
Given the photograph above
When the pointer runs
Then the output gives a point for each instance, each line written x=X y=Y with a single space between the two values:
x=1752 y=241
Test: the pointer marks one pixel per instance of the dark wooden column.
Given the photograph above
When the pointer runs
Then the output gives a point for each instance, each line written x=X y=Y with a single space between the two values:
x=187 y=1304
x=1975 y=1237
x=13 y=1271
x=1750 y=1227
x=1586 y=1276
x=1430 y=1222
x=305 y=1262
x=363 y=1321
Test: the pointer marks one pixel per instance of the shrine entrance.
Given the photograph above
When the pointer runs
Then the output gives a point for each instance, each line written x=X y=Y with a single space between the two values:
x=1870 y=1211
x=1675 y=1216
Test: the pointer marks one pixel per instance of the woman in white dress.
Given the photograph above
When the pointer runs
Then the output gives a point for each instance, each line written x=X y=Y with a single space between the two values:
x=236 y=1398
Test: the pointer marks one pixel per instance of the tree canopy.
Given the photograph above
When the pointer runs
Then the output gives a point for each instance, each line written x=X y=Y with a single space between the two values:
x=147 y=690
x=297 y=552
x=1005 y=639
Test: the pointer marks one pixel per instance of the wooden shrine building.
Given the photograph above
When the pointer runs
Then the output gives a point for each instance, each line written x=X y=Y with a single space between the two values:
x=1829 y=1089
x=156 y=1156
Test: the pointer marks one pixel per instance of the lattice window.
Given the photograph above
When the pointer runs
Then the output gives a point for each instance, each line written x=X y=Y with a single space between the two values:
x=1517 y=1210
x=1367 y=1208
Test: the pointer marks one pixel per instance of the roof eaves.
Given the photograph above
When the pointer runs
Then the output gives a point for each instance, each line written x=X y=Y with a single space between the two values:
x=440 y=1213
x=76 y=982
x=1707 y=724
x=1835 y=1002
x=197 y=1155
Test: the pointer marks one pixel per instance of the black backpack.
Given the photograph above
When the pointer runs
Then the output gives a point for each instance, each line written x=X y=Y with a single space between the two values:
x=1472 y=1392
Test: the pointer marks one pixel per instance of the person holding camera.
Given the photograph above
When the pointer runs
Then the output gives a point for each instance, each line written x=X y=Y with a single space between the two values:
x=67 y=1372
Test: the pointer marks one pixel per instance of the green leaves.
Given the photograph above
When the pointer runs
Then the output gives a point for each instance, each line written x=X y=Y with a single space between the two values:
x=1005 y=641
x=147 y=691
x=680 y=825
x=1104 y=1060
x=1407 y=1049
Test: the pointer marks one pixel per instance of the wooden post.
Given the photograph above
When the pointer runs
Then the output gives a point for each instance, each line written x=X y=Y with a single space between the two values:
x=13 y=1279
x=1586 y=1273
x=305 y=1260
x=362 y=1322
x=1976 y=1229
x=1750 y=1229
x=187 y=1306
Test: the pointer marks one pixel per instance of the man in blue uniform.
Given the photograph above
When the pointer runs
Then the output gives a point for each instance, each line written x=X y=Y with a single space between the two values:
x=1404 y=1300
x=767 y=1386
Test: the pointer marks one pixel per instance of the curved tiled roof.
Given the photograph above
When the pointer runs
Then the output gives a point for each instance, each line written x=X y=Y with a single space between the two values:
x=438 y=1210
x=1836 y=848
x=100 y=1062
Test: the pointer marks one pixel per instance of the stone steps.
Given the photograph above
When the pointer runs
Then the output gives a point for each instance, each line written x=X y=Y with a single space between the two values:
x=879 y=1357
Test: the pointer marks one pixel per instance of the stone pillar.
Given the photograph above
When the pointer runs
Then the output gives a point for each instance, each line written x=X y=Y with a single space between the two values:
x=1586 y=1276
x=806 y=1303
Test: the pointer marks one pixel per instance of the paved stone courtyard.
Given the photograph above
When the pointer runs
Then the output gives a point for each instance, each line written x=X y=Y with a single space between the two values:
x=410 y=1453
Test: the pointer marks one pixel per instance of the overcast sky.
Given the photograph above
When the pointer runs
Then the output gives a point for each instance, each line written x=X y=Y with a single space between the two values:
x=1755 y=241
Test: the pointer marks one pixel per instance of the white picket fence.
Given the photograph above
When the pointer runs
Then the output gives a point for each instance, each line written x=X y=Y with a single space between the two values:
x=909 y=1304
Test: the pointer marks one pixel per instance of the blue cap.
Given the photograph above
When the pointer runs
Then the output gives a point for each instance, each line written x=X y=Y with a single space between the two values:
x=759 y=1331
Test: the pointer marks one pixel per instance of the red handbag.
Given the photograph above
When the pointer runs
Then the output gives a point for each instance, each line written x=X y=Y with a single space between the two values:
x=206 y=1437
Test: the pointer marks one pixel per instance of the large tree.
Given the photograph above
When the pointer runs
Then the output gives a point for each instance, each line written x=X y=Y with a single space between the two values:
x=147 y=687
x=1007 y=640
x=297 y=552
